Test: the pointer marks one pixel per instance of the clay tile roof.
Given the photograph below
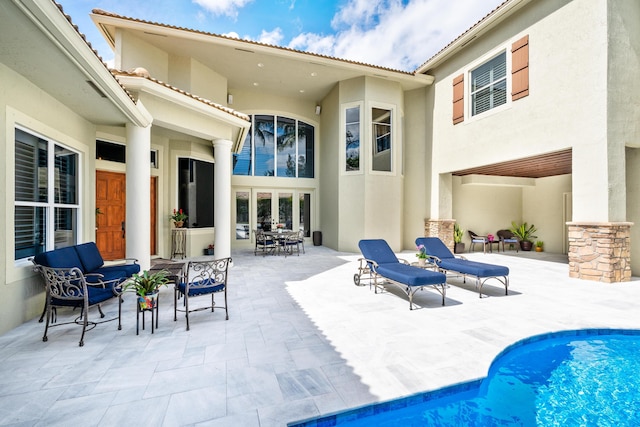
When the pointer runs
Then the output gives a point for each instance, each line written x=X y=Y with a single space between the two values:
x=251 y=42
x=142 y=73
x=88 y=43
x=466 y=32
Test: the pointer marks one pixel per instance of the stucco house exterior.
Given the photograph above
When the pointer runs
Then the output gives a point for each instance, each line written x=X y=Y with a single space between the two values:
x=531 y=115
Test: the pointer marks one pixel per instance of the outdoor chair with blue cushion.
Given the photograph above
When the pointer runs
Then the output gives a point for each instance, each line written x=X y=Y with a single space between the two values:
x=264 y=243
x=68 y=287
x=202 y=278
x=383 y=266
x=507 y=237
x=478 y=240
x=446 y=261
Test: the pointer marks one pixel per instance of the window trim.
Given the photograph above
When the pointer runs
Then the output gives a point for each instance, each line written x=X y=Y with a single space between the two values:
x=395 y=129
x=343 y=138
x=50 y=205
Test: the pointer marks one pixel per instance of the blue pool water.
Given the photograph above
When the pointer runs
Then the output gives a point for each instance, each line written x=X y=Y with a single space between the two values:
x=573 y=378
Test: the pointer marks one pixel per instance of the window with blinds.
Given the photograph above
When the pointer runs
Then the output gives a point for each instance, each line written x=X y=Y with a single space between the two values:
x=489 y=85
x=46 y=195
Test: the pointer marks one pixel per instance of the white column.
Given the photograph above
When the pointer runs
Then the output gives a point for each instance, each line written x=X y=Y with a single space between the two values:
x=222 y=195
x=138 y=170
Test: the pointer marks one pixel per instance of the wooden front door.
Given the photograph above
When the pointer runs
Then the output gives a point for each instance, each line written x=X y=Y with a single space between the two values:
x=110 y=226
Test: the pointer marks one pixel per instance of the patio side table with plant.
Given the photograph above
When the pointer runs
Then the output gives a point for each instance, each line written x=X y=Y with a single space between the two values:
x=146 y=286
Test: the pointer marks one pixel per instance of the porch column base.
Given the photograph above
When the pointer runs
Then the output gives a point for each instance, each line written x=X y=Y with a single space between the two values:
x=442 y=228
x=600 y=251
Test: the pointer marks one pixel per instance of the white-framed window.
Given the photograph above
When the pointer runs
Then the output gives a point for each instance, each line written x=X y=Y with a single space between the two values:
x=488 y=85
x=381 y=139
x=47 y=196
x=352 y=119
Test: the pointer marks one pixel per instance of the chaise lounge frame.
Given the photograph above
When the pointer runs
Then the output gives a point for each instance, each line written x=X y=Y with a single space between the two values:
x=380 y=266
x=448 y=263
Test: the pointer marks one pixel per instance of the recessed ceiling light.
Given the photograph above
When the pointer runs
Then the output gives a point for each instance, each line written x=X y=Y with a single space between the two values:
x=314 y=74
x=255 y=83
x=301 y=90
x=260 y=65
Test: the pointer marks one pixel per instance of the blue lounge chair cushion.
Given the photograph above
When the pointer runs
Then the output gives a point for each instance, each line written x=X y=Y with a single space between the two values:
x=410 y=276
x=434 y=246
x=60 y=258
x=377 y=250
x=473 y=268
x=197 y=288
x=90 y=256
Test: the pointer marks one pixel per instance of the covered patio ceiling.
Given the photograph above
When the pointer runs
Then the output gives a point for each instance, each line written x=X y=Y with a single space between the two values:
x=544 y=165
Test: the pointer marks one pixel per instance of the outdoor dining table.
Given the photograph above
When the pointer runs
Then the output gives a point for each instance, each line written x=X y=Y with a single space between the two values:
x=278 y=236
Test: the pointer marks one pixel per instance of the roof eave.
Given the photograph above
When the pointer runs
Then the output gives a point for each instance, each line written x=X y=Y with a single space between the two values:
x=500 y=13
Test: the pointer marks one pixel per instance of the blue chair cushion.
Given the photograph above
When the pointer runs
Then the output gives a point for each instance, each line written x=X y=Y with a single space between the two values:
x=90 y=256
x=434 y=246
x=60 y=258
x=195 y=289
x=108 y=273
x=410 y=276
x=125 y=270
x=474 y=268
x=95 y=296
x=377 y=250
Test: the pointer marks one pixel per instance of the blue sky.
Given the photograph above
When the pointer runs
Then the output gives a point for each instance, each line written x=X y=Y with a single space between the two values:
x=399 y=34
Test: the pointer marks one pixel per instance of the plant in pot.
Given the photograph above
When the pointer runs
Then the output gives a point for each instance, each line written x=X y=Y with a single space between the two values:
x=525 y=233
x=178 y=217
x=208 y=250
x=539 y=246
x=146 y=286
x=458 y=233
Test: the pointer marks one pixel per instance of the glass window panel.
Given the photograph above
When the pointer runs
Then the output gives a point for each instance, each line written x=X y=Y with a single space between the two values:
x=263 y=135
x=242 y=161
x=31 y=177
x=489 y=85
x=263 y=202
x=66 y=229
x=286 y=144
x=66 y=177
x=30 y=231
x=305 y=150
x=382 y=139
x=285 y=210
x=352 y=138
x=242 y=215
x=305 y=214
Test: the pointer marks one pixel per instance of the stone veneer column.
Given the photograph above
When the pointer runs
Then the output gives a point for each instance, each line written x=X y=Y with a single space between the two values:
x=600 y=251
x=442 y=228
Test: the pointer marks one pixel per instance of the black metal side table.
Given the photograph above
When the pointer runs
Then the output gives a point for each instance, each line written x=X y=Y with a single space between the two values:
x=145 y=304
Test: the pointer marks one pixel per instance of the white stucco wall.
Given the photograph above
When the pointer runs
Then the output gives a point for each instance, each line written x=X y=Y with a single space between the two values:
x=131 y=52
x=22 y=103
x=566 y=106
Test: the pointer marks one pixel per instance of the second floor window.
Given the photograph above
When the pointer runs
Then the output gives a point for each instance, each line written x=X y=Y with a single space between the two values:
x=489 y=85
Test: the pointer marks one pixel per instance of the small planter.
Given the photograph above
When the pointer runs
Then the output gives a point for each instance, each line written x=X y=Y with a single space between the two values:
x=422 y=262
x=178 y=224
x=458 y=248
x=208 y=251
x=526 y=246
x=148 y=302
x=538 y=249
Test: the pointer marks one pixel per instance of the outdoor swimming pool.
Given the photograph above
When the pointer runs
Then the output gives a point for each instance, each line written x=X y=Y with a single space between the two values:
x=572 y=378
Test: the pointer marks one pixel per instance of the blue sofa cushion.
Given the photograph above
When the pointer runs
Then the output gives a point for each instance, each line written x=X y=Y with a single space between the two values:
x=474 y=268
x=410 y=276
x=434 y=246
x=377 y=250
x=120 y=270
x=200 y=290
x=60 y=258
x=90 y=256
x=95 y=296
x=108 y=273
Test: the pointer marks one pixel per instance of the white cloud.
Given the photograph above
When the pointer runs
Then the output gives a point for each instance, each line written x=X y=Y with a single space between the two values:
x=390 y=34
x=223 y=7
x=271 y=37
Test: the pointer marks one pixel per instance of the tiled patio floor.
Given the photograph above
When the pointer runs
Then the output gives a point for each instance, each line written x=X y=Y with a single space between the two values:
x=301 y=341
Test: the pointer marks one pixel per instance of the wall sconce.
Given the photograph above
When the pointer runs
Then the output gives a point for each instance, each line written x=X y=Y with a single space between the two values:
x=318 y=109
x=229 y=99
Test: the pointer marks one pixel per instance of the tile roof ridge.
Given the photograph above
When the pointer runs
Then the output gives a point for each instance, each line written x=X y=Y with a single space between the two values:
x=143 y=73
x=252 y=42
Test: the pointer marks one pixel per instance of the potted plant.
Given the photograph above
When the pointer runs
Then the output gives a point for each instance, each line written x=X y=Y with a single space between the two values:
x=178 y=217
x=539 y=246
x=422 y=255
x=525 y=233
x=146 y=286
x=458 y=233
x=208 y=250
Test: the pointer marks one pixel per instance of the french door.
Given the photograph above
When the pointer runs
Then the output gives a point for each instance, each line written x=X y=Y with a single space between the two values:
x=265 y=208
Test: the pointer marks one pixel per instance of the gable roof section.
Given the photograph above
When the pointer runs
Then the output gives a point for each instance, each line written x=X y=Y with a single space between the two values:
x=250 y=65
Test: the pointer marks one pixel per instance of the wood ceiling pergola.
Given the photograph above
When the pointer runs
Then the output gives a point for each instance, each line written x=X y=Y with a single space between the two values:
x=550 y=164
